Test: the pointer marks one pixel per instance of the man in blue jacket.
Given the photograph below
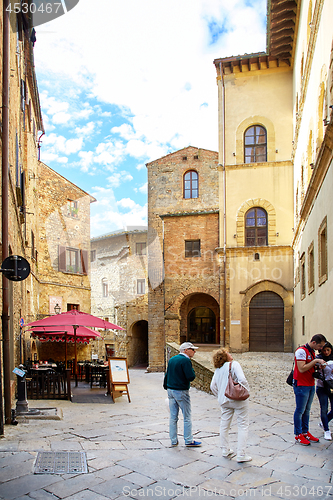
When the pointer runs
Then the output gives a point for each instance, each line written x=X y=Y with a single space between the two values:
x=177 y=380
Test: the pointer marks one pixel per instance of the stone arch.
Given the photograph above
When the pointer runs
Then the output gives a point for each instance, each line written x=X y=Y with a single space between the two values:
x=244 y=125
x=286 y=296
x=193 y=290
x=138 y=345
x=186 y=303
x=271 y=223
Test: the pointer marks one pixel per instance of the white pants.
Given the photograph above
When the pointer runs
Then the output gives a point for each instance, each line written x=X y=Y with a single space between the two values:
x=241 y=410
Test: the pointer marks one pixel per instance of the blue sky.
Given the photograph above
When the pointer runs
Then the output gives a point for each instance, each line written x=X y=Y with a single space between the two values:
x=124 y=83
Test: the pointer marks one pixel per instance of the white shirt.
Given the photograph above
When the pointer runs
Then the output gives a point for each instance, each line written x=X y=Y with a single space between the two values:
x=219 y=381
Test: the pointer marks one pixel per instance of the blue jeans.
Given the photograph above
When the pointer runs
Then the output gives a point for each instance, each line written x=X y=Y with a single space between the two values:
x=180 y=399
x=304 y=397
x=323 y=401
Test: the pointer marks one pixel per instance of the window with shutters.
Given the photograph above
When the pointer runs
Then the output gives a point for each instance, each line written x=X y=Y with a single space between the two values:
x=73 y=260
x=105 y=288
x=140 y=287
x=311 y=268
x=140 y=248
x=192 y=248
x=322 y=252
x=72 y=209
x=302 y=269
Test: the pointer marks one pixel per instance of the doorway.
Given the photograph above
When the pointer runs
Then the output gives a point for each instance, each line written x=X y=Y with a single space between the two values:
x=266 y=323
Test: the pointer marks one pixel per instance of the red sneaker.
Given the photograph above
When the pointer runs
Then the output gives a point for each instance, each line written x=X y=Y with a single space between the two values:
x=309 y=436
x=302 y=440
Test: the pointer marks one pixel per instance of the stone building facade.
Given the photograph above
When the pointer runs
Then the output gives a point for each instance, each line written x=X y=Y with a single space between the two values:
x=63 y=255
x=312 y=155
x=119 y=277
x=38 y=221
x=183 y=266
x=256 y=196
x=19 y=151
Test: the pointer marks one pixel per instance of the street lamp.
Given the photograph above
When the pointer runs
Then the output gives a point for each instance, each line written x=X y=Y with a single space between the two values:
x=57 y=309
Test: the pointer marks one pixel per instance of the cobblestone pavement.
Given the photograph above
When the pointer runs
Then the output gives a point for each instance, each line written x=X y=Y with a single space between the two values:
x=129 y=455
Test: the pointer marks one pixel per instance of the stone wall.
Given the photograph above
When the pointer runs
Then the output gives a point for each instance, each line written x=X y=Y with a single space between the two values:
x=201 y=367
x=172 y=219
x=115 y=270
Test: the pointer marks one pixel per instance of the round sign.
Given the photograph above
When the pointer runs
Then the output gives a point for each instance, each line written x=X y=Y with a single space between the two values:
x=21 y=322
x=15 y=268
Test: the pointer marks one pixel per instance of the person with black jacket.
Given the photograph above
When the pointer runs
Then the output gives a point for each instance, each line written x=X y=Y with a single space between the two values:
x=177 y=381
x=327 y=355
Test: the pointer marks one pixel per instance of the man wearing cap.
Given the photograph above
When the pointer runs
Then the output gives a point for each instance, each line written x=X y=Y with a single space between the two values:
x=177 y=380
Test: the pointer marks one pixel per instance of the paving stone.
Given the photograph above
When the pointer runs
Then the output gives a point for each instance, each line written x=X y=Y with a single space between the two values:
x=15 y=488
x=114 y=488
x=73 y=485
x=148 y=468
x=138 y=479
x=173 y=457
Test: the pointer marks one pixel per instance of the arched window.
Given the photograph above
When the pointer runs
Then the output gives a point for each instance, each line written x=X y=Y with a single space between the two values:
x=191 y=184
x=255 y=144
x=256 y=227
x=105 y=288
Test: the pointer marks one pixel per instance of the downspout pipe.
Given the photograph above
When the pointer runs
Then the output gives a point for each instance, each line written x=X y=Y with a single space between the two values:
x=4 y=219
x=224 y=210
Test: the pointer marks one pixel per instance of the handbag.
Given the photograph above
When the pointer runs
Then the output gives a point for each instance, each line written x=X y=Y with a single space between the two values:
x=235 y=390
x=290 y=377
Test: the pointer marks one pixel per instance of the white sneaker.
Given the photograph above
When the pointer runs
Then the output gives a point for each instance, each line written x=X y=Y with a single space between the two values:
x=228 y=453
x=327 y=435
x=243 y=458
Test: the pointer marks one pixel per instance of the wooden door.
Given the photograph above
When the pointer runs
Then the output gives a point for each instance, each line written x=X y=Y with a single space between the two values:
x=266 y=323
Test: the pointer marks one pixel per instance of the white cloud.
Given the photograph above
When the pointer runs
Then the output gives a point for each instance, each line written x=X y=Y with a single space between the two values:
x=126 y=203
x=142 y=189
x=86 y=129
x=118 y=178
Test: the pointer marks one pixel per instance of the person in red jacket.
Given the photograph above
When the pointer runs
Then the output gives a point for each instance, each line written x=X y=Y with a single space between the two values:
x=304 y=387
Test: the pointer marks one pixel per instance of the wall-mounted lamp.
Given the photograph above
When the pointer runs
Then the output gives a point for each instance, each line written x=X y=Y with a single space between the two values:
x=277 y=234
x=312 y=166
x=57 y=309
x=235 y=235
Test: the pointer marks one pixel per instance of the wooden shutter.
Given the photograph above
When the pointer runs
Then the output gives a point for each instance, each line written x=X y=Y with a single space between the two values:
x=62 y=259
x=84 y=261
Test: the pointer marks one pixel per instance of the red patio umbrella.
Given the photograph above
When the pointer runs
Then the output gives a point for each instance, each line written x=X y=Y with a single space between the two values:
x=65 y=334
x=75 y=319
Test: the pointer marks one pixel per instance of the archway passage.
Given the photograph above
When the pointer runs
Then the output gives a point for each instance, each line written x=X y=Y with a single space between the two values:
x=266 y=323
x=139 y=344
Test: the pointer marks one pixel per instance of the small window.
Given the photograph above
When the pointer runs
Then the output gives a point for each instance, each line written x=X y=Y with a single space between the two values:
x=303 y=326
x=184 y=158
x=311 y=268
x=256 y=256
x=73 y=260
x=196 y=157
x=256 y=227
x=72 y=209
x=255 y=144
x=73 y=307
x=322 y=251
x=140 y=248
x=92 y=255
x=191 y=184
x=33 y=248
x=105 y=288
x=192 y=248
x=302 y=268
x=140 y=287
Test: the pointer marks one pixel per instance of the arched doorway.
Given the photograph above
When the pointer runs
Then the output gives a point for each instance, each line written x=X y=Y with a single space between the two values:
x=138 y=354
x=202 y=325
x=266 y=323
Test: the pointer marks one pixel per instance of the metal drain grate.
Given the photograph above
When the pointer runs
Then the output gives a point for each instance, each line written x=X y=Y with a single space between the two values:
x=61 y=462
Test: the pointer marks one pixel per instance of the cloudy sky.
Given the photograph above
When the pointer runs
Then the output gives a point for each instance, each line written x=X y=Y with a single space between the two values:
x=125 y=82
